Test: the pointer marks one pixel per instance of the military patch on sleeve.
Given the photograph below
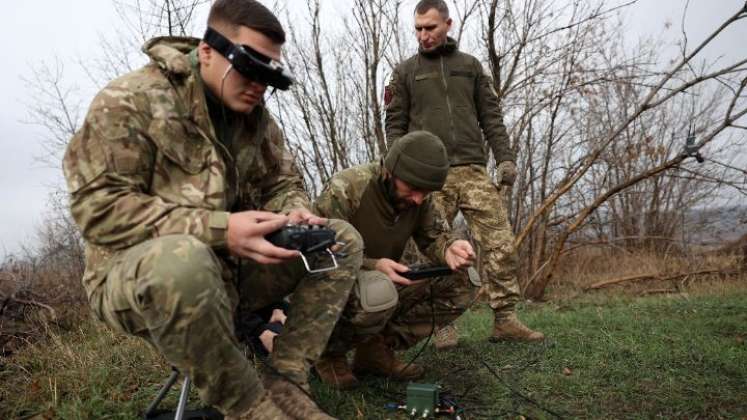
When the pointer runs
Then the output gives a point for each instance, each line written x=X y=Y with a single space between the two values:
x=388 y=94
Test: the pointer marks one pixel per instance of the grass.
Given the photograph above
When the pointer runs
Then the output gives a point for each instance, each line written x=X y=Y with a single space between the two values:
x=648 y=358
x=606 y=357
x=86 y=373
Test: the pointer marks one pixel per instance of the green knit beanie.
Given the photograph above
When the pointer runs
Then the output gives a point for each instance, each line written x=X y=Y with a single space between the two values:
x=419 y=158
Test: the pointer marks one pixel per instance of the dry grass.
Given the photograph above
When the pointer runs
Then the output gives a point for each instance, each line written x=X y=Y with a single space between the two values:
x=81 y=373
x=34 y=294
x=648 y=273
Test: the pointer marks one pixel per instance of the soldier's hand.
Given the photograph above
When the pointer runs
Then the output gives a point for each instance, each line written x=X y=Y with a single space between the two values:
x=298 y=216
x=460 y=255
x=267 y=338
x=278 y=316
x=506 y=173
x=246 y=237
x=392 y=269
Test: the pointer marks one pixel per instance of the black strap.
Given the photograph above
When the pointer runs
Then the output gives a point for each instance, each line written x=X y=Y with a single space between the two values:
x=218 y=42
x=275 y=327
x=226 y=48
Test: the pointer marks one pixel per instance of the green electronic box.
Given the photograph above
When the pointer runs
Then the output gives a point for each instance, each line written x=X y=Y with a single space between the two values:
x=422 y=400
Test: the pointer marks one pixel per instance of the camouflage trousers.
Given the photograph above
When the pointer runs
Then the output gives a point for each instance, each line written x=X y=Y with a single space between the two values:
x=177 y=294
x=419 y=308
x=469 y=188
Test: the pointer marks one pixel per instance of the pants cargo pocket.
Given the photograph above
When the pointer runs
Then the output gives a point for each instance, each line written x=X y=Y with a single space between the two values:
x=117 y=311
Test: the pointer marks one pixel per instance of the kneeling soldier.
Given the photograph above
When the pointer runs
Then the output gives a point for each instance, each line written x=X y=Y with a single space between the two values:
x=389 y=203
x=167 y=177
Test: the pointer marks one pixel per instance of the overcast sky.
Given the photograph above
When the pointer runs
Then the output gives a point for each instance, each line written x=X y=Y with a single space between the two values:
x=43 y=30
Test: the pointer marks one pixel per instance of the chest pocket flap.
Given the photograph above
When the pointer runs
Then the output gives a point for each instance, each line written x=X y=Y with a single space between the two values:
x=462 y=73
x=181 y=142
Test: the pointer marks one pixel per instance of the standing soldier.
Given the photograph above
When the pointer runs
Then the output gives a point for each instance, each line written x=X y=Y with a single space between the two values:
x=389 y=202
x=167 y=177
x=446 y=92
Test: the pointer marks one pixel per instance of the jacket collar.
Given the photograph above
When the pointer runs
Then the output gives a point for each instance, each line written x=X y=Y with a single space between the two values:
x=176 y=57
x=170 y=53
x=448 y=48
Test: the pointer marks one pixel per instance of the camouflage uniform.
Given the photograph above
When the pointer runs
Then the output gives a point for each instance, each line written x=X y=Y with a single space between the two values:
x=152 y=189
x=447 y=93
x=385 y=232
x=469 y=188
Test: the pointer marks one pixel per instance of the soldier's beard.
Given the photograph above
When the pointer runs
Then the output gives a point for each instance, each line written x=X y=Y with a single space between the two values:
x=400 y=204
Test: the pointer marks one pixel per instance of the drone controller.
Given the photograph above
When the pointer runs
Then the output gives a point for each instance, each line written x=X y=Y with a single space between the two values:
x=419 y=272
x=310 y=240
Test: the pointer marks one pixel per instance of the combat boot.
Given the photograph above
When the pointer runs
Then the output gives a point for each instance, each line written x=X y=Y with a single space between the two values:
x=293 y=400
x=334 y=371
x=446 y=337
x=510 y=328
x=263 y=409
x=376 y=357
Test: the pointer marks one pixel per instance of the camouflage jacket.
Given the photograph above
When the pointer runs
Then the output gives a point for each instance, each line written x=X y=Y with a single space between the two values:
x=447 y=93
x=146 y=162
x=342 y=198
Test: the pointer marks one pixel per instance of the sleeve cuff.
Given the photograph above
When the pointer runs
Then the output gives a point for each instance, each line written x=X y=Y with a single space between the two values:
x=450 y=239
x=369 y=263
x=218 y=228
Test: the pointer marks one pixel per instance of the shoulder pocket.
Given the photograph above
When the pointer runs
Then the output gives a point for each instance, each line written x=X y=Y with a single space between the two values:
x=84 y=161
x=181 y=142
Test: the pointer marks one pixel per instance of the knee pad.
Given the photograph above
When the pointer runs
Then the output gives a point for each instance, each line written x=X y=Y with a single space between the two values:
x=375 y=291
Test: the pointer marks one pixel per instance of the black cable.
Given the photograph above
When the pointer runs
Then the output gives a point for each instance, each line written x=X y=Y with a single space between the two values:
x=433 y=329
x=458 y=410
x=514 y=391
x=430 y=334
x=475 y=355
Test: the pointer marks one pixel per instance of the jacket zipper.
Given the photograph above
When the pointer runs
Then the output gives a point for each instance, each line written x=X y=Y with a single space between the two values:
x=448 y=101
x=230 y=161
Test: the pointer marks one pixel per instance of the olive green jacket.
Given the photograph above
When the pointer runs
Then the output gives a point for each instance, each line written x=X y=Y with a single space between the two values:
x=146 y=162
x=447 y=93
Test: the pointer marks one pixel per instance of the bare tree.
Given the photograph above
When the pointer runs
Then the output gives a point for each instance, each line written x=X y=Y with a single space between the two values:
x=665 y=89
x=55 y=107
x=336 y=117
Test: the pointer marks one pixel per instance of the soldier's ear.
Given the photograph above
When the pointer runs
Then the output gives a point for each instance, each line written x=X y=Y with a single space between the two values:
x=449 y=21
x=385 y=174
x=204 y=53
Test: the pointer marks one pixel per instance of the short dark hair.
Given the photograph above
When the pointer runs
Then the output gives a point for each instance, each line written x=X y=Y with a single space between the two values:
x=230 y=14
x=424 y=6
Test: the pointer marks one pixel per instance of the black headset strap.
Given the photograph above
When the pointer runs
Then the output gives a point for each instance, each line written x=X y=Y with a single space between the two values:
x=218 y=42
x=232 y=52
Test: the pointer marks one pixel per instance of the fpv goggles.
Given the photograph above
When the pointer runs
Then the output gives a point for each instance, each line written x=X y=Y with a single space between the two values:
x=249 y=62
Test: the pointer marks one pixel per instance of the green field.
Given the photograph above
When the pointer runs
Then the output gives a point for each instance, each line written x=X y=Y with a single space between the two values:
x=656 y=357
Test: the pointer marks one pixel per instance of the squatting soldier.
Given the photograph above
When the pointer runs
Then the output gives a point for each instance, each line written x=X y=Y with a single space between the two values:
x=388 y=203
x=445 y=91
x=166 y=177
